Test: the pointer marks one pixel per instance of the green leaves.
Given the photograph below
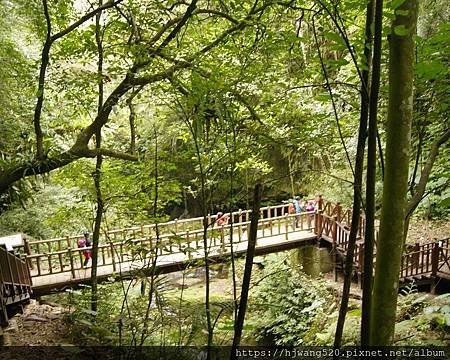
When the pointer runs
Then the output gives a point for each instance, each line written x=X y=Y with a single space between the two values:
x=401 y=30
x=395 y=4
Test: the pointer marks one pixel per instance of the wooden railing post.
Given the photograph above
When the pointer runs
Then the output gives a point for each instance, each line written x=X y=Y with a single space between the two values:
x=318 y=223
x=435 y=259
x=338 y=211
x=320 y=203
x=416 y=257
x=11 y=274
x=334 y=229
x=27 y=249
x=286 y=226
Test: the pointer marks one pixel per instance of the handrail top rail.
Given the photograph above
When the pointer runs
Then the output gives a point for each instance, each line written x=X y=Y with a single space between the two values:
x=171 y=222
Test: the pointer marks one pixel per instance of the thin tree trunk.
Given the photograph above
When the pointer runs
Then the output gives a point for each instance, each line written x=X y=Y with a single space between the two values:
x=371 y=177
x=209 y=324
x=98 y=167
x=291 y=175
x=398 y=133
x=357 y=193
x=155 y=247
x=247 y=269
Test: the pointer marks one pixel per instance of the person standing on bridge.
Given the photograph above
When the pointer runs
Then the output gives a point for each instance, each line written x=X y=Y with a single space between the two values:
x=298 y=209
x=221 y=219
x=291 y=211
x=82 y=243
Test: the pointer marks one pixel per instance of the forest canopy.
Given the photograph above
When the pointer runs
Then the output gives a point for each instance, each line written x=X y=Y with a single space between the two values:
x=116 y=113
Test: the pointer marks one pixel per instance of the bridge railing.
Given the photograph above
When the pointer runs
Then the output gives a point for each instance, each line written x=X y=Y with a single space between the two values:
x=177 y=225
x=187 y=243
x=15 y=282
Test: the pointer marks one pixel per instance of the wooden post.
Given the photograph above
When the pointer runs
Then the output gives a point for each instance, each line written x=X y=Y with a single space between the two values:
x=176 y=225
x=320 y=203
x=71 y=262
x=338 y=211
x=269 y=216
x=319 y=223
x=68 y=242
x=416 y=257
x=286 y=226
x=316 y=223
x=334 y=229
x=27 y=249
x=11 y=273
x=435 y=259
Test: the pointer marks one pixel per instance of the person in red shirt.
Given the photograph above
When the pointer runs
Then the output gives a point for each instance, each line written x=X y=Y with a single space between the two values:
x=221 y=219
x=82 y=243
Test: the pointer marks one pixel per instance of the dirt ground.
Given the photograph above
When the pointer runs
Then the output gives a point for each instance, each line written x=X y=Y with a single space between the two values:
x=424 y=231
x=39 y=325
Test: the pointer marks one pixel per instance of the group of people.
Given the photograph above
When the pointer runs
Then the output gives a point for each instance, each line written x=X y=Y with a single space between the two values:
x=297 y=205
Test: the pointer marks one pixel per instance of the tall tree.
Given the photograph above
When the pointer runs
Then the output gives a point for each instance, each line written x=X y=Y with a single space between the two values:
x=371 y=176
x=98 y=163
x=398 y=132
x=239 y=325
x=357 y=182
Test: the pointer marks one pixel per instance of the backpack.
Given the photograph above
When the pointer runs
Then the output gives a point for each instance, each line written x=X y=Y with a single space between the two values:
x=291 y=208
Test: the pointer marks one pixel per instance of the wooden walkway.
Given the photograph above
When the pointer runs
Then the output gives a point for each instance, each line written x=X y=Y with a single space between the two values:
x=58 y=263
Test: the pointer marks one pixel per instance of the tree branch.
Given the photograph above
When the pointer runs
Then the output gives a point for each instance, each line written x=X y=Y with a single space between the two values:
x=419 y=190
x=41 y=84
x=84 y=18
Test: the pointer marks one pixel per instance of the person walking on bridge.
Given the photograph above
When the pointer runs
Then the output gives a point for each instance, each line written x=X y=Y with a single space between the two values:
x=82 y=243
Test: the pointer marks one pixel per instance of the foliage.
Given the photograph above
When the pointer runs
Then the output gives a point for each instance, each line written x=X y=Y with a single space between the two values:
x=286 y=304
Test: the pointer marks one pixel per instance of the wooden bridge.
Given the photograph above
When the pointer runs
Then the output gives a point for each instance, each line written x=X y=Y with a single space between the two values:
x=55 y=264
x=58 y=263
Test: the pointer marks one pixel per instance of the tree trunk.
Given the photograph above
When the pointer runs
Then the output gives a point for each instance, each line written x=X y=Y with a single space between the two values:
x=398 y=133
x=371 y=177
x=357 y=194
x=98 y=168
x=247 y=269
